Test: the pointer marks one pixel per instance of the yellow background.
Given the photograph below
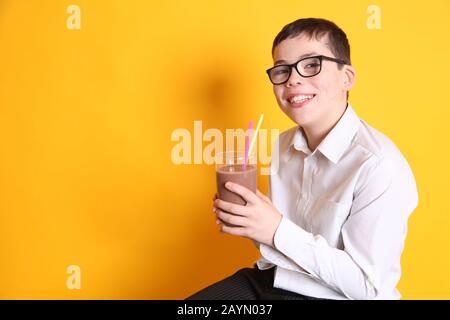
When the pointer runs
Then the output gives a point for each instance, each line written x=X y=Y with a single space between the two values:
x=86 y=117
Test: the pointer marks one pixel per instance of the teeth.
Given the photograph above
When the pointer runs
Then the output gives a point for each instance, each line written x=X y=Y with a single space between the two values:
x=301 y=98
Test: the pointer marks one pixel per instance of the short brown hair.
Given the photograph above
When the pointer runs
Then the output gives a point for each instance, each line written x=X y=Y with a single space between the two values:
x=317 y=28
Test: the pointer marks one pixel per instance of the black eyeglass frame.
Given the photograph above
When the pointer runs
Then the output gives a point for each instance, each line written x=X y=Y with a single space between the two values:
x=295 y=64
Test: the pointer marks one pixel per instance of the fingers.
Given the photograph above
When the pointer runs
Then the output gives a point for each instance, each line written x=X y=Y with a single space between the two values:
x=245 y=193
x=230 y=207
x=235 y=231
x=263 y=196
x=231 y=219
x=214 y=199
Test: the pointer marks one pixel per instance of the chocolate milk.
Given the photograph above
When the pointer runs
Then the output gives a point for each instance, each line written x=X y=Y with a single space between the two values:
x=235 y=173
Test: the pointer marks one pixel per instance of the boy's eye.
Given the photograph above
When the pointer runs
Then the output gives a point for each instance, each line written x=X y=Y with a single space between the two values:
x=312 y=65
x=280 y=71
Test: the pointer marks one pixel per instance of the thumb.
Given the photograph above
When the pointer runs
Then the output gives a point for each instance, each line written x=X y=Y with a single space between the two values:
x=263 y=196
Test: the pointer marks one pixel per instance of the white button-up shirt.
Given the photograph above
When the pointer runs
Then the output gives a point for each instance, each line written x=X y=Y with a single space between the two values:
x=345 y=210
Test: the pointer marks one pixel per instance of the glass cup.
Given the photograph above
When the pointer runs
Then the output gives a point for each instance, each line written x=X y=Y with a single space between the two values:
x=230 y=167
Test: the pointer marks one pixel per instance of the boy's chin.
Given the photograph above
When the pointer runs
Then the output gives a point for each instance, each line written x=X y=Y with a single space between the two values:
x=301 y=119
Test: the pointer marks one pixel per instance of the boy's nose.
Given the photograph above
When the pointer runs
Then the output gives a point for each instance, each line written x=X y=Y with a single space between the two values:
x=294 y=79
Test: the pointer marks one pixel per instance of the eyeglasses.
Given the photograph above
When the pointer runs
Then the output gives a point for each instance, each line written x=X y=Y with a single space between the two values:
x=306 y=67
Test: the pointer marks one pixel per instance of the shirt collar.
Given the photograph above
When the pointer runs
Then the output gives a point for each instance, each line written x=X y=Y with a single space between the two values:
x=299 y=141
x=338 y=139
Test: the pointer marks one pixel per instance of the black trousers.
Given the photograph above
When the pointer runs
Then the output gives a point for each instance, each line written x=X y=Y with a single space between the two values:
x=247 y=284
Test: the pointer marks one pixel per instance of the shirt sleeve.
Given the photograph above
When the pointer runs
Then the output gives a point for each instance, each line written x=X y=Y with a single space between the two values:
x=273 y=256
x=373 y=236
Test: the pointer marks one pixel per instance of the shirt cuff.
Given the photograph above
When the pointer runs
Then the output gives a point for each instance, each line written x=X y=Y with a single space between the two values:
x=295 y=243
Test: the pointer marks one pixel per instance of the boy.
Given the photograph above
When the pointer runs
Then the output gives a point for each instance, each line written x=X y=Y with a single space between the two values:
x=336 y=222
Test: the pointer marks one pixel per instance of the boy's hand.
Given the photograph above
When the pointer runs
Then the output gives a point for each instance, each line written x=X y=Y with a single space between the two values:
x=258 y=220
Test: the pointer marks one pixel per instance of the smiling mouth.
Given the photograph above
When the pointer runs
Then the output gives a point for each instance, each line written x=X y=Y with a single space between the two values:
x=301 y=100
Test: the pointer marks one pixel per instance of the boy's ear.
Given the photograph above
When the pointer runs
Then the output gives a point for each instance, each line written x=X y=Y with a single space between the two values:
x=349 y=77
